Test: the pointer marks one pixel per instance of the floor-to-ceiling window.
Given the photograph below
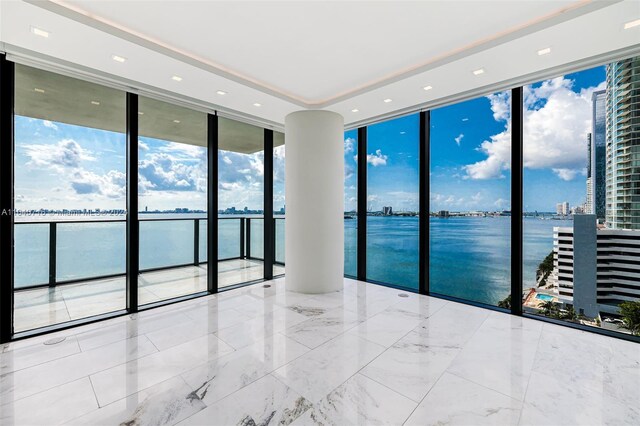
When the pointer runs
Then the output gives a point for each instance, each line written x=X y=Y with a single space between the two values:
x=279 y=204
x=470 y=200
x=581 y=151
x=172 y=174
x=172 y=187
x=351 y=203
x=69 y=199
x=240 y=202
x=392 y=201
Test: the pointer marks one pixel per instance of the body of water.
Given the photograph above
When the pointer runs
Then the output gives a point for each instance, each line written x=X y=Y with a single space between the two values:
x=469 y=256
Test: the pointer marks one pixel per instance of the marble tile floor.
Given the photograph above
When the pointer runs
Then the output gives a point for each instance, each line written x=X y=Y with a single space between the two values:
x=40 y=307
x=363 y=355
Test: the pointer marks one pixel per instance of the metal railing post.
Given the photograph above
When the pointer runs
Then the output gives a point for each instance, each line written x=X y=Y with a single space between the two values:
x=242 y=234
x=53 y=237
x=247 y=239
x=196 y=242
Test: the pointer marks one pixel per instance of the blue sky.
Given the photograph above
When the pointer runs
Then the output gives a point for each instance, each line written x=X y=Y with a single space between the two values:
x=65 y=166
x=471 y=149
x=392 y=164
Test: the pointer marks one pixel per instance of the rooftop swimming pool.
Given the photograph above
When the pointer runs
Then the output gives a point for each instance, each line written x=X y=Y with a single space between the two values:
x=545 y=297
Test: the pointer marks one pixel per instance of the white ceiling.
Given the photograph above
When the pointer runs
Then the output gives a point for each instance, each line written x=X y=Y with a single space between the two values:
x=337 y=56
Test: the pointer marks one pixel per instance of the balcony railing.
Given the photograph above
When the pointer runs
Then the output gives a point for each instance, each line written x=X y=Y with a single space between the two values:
x=48 y=253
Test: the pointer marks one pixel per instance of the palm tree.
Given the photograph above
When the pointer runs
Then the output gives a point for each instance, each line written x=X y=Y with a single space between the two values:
x=505 y=303
x=570 y=314
x=549 y=308
x=630 y=312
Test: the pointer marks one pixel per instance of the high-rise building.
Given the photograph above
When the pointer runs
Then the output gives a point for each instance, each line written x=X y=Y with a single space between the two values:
x=598 y=154
x=623 y=144
x=589 y=202
x=387 y=210
x=563 y=208
x=595 y=269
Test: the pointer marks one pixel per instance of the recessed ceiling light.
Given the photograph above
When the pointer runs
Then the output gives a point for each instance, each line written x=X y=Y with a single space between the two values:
x=257 y=105
x=544 y=51
x=355 y=110
x=176 y=121
x=386 y=101
x=632 y=24
x=140 y=113
x=117 y=58
x=40 y=32
x=38 y=90
x=221 y=92
x=427 y=87
x=176 y=78
x=478 y=71
x=95 y=103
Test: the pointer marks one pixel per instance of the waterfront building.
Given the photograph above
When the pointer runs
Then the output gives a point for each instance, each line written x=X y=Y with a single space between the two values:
x=623 y=144
x=387 y=211
x=563 y=208
x=595 y=269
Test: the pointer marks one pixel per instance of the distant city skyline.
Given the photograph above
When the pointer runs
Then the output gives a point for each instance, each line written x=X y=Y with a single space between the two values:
x=64 y=166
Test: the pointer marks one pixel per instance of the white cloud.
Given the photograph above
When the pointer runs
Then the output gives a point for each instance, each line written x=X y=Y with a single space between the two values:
x=111 y=185
x=349 y=145
x=163 y=171
x=498 y=151
x=143 y=146
x=66 y=154
x=568 y=174
x=227 y=160
x=279 y=159
x=377 y=159
x=49 y=124
x=556 y=122
x=501 y=203
x=458 y=138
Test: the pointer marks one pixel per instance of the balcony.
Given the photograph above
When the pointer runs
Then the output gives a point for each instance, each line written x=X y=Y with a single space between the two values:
x=70 y=270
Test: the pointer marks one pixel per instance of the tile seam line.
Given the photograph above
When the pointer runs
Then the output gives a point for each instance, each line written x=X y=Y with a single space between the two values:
x=360 y=369
x=535 y=357
x=446 y=371
x=181 y=376
x=44 y=362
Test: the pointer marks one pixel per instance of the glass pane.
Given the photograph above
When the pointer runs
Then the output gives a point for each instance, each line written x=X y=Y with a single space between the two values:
x=229 y=238
x=392 y=202
x=172 y=172
x=470 y=224
x=203 y=240
x=69 y=172
x=581 y=197
x=257 y=239
x=106 y=255
x=280 y=240
x=279 y=199
x=351 y=203
x=156 y=234
x=241 y=195
x=31 y=254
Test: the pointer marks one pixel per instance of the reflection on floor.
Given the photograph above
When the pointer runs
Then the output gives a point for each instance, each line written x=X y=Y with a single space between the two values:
x=257 y=355
x=53 y=305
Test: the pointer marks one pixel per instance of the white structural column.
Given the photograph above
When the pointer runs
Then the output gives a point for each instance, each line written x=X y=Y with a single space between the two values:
x=314 y=188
